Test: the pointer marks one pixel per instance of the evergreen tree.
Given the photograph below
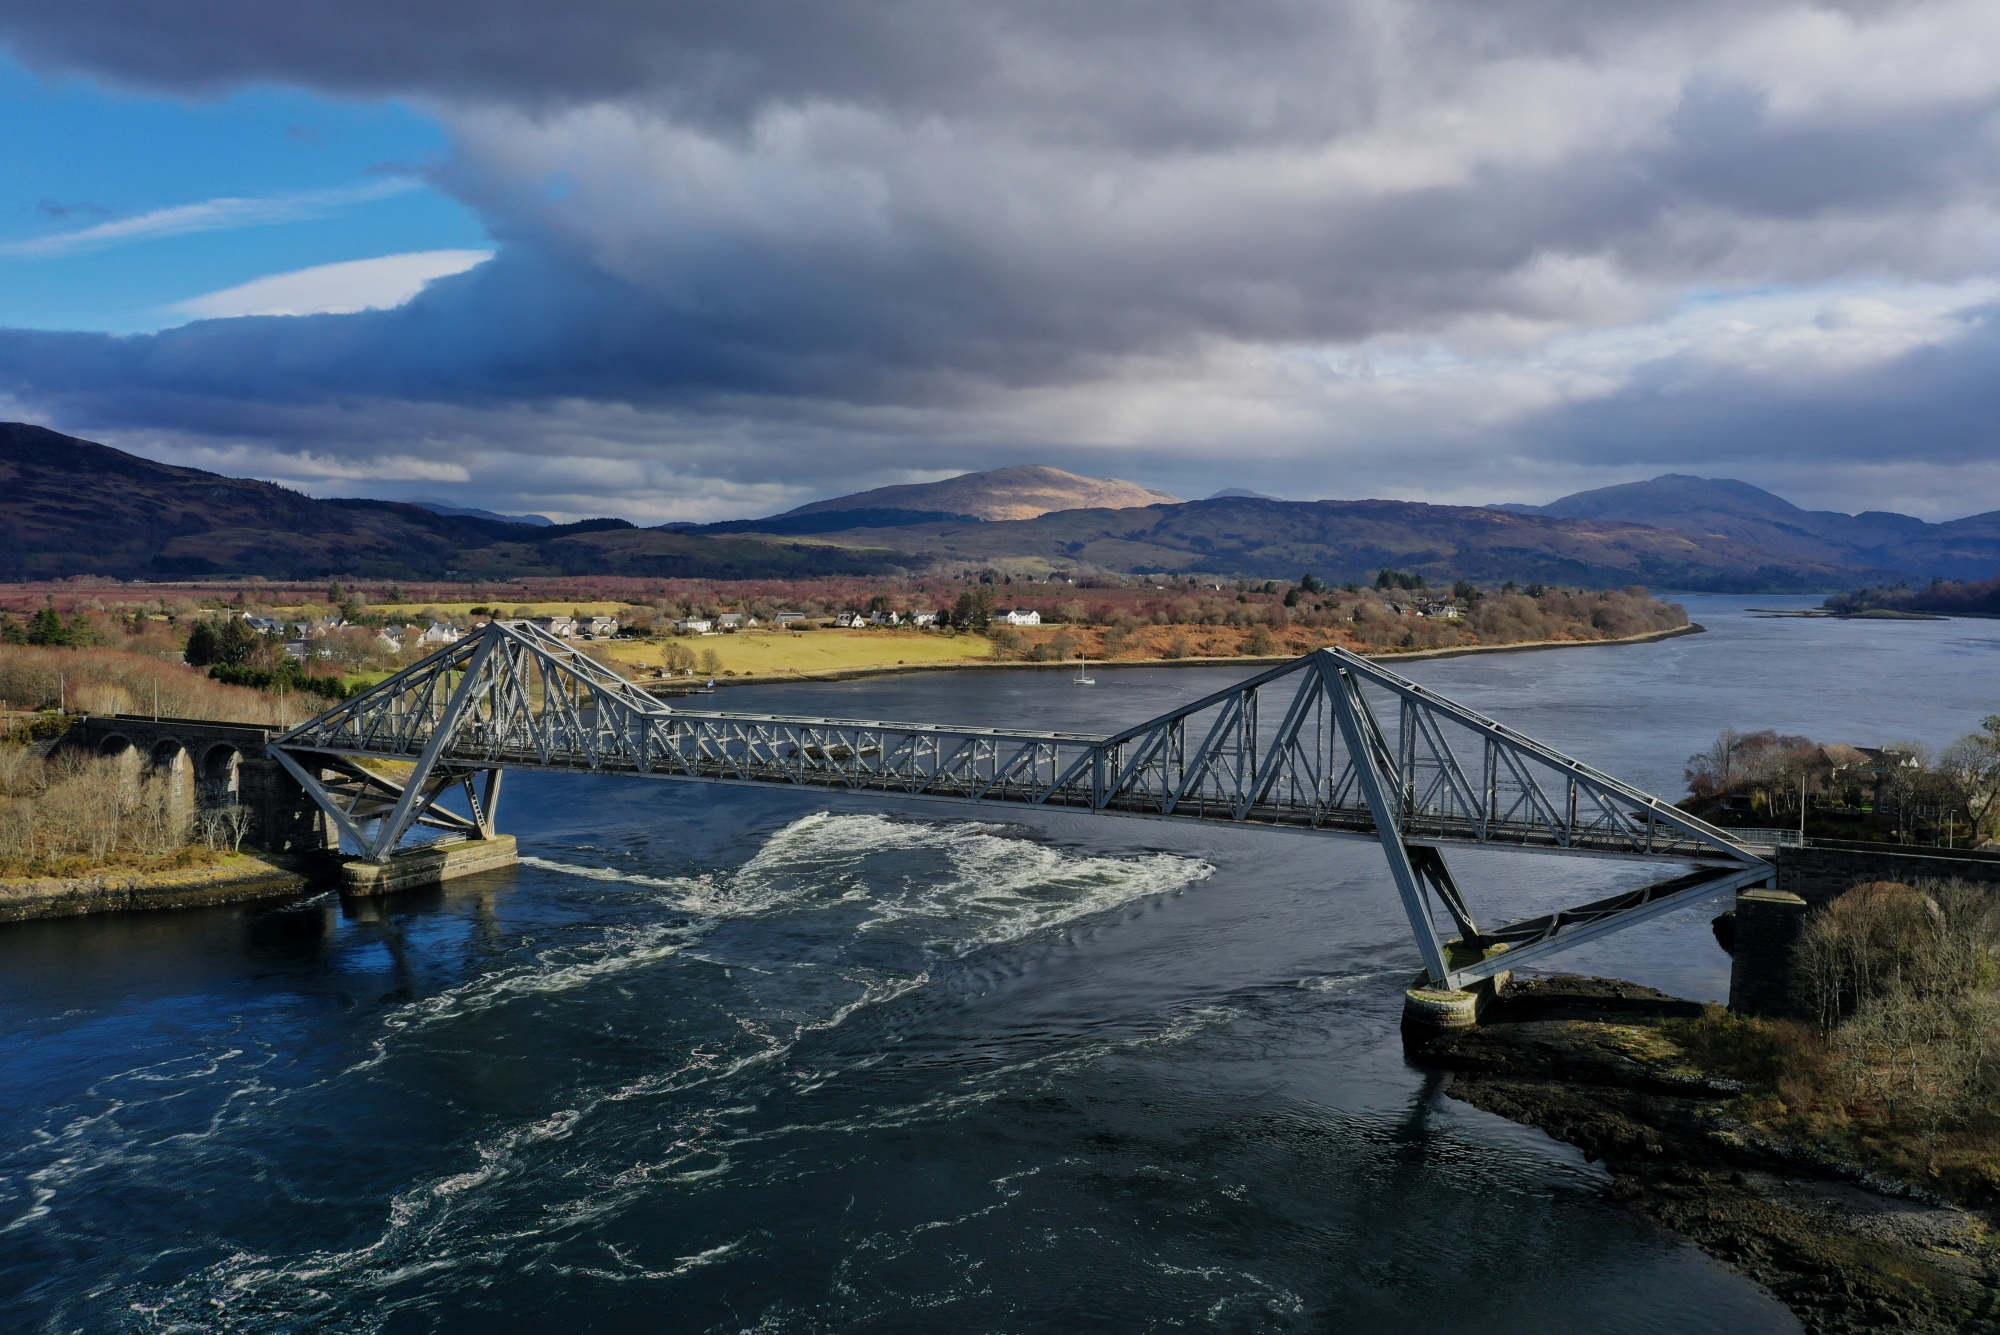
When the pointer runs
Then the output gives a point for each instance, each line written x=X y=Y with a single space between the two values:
x=973 y=611
x=47 y=628
x=12 y=631
x=201 y=646
x=235 y=642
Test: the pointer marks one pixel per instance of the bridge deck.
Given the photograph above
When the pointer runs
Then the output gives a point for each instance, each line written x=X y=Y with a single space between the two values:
x=1303 y=746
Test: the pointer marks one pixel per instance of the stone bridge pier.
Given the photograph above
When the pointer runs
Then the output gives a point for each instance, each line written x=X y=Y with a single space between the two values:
x=219 y=764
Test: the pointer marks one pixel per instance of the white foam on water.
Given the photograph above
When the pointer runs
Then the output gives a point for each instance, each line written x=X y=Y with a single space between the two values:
x=994 y=888
x=983 y=888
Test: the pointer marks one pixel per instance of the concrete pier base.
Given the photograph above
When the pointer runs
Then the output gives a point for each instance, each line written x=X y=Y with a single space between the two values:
x=1436 y=1010
x=428 y=866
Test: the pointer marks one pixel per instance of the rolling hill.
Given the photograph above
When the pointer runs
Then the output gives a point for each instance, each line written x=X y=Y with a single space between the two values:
x=998 y=494
x=1876 y=542
x=1352 y=540
x=72 y=507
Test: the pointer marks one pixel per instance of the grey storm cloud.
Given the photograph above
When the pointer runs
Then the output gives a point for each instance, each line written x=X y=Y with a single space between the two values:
x=883 y=235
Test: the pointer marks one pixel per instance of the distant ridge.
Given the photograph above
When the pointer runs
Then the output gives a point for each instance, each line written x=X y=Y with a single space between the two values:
x=75 y=507
x=1000 y=493
x=438 y=507
x=1874 y=540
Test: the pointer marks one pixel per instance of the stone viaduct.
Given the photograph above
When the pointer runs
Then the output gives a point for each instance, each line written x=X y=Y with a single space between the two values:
x=222 y=763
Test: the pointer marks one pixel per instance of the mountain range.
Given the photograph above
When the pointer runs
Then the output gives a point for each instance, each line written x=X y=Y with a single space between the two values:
x=70 y=506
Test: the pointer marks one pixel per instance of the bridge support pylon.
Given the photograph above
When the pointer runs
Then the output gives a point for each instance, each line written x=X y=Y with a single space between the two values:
x=433 y=864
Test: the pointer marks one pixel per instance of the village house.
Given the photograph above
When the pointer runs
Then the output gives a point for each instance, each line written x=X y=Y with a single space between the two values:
x=851 y=620
x=600 y=628
x=728 y=621
x=786 y=620
x=562 y=627
x=923 y=618
x=694 y=626
x=885 y=619
x=1016 y=616
x=439 y=633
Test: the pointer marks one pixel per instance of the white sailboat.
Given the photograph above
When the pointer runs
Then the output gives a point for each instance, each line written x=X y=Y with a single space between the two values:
x=1083 y=677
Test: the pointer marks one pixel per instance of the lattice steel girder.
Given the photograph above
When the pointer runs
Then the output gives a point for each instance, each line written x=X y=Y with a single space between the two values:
x=511 y=695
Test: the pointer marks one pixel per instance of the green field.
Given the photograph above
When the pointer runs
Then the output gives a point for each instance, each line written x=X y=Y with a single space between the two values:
x=803 y=653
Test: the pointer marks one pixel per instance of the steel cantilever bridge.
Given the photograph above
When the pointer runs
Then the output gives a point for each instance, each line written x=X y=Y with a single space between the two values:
x=1329 y=742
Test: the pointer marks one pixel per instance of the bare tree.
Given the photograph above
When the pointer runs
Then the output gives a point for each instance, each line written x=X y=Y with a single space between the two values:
x=224 y=827
x=1972 y=764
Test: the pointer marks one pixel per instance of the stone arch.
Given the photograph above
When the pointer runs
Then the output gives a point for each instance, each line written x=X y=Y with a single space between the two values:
x=221 y=775
x=115 y=744
x=169 y=760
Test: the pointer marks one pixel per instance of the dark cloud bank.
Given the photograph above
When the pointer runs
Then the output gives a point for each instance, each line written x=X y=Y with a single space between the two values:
x=1324 y=247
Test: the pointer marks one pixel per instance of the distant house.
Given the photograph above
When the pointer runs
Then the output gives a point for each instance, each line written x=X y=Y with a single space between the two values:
x=391 y=637
x=923 y=618
x=1443 y=609
x=885 y=619
x=263 y=625
x=562 y=627
x=600 y=628
x=786 y=620
x=440 y=632
x=694 y=625
x=849 y=620
x=732 y=621
x=1016 y=616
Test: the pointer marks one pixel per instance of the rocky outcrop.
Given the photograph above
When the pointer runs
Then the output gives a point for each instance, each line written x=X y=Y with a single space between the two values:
x=1594 y=1063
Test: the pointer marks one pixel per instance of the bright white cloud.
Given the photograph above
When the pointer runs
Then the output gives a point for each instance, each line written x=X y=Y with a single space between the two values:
x=210 y=215
x=335 y=289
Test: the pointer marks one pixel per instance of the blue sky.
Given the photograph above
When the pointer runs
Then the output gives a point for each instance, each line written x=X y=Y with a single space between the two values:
x=76 y=154
x=715 y=258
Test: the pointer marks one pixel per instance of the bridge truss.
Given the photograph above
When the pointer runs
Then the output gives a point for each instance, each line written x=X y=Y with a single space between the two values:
x=1330 y=742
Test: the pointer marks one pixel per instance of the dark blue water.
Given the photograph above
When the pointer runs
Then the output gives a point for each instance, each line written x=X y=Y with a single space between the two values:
x=745 y=1061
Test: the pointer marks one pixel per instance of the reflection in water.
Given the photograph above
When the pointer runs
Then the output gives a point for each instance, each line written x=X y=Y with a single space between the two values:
x=717 y=1060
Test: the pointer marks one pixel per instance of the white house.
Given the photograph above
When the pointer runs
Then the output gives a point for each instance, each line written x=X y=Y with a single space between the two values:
x=848 y=620
x=732 y=621
x=600 y=628
x=787 y=620
x=885 y=619
x=694 y=625
x=923 y=618
x=1016 y=616
x=439 y=632
x=562 y=627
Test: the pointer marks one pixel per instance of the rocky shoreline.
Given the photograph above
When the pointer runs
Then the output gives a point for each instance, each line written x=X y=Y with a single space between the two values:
x=1596 y=1063
x=236 y=879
